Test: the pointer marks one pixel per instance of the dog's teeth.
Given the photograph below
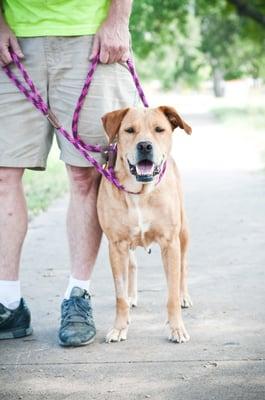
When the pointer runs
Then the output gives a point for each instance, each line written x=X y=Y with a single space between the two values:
x=143 y=171
x=138 y=170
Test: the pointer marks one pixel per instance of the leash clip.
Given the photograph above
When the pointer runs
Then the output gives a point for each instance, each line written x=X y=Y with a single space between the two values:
x=51 y=117
x=109 y=152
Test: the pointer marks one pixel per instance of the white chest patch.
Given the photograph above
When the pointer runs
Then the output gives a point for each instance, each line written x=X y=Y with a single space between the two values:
x=142 y=225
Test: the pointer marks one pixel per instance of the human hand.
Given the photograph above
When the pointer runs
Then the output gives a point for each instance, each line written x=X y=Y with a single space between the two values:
x=112 y=42
x=7 y=39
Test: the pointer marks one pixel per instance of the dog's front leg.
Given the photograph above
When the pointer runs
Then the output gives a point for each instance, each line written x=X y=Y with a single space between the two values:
x=172 y=264
x=119 y=259
x=184 y=293
x=132 y=280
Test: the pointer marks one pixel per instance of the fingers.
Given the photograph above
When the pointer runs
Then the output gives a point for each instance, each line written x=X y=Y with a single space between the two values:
x=16 y=47
x=125 y=56
x=118 y=54
x=5 y=57
x=115 y=54
x=95 y=48
x=112 y=54
x=112 y=41
x=7 y=39
x=104 y=55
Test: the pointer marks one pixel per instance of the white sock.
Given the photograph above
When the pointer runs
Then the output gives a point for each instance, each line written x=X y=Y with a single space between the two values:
x=10 y=294
x=76 y=283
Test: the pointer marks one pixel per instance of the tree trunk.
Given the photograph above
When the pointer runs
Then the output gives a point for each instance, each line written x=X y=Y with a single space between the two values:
x=218 y=83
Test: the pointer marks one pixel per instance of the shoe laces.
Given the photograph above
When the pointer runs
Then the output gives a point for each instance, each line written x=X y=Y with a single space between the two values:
x=77 y=309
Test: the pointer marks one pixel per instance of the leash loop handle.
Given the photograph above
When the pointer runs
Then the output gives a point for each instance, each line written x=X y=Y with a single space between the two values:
x=95 y=61
x=32 y=94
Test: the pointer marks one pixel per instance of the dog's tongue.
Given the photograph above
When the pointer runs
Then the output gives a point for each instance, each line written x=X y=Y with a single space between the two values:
x=145 y=167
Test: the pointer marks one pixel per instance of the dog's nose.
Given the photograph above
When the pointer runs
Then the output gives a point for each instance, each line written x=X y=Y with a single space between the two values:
x=145 y=147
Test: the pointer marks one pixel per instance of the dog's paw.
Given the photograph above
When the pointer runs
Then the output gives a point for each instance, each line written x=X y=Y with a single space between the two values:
x=133 y=302
x=186 y=301
x=179 y=335
x=116 y=335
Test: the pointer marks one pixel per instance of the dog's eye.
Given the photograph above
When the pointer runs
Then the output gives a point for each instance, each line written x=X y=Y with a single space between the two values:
x=159 y=129
x=130 y=130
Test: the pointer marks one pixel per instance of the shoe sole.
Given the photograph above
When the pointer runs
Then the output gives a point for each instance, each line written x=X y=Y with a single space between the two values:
x=16 y=333
x=76 y=345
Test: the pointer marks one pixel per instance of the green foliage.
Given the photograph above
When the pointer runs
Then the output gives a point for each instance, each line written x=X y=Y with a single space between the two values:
x=42 y=187
x=153 y=22
x=242 y=117
x=177 y=60
x=234 y=44
x=166 y=39
x=182 y=41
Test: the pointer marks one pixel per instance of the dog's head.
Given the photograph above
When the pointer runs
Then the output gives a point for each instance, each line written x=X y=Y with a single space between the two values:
x=144 y=138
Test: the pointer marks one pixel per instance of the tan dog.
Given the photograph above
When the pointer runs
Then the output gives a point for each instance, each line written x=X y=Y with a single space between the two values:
x=156 y=214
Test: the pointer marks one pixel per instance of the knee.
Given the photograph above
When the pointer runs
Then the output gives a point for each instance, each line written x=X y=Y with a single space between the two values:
x=10 y=178
x=83 y=180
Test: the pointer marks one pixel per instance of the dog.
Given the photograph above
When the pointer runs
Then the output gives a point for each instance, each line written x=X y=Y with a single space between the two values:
x=153 y=211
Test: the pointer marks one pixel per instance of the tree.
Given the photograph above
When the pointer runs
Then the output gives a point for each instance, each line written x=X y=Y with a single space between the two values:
x=182 y=39
x=234 y=45
x=254 y=11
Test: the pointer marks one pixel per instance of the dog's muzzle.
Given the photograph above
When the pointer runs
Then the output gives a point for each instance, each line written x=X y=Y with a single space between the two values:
x=145 y=168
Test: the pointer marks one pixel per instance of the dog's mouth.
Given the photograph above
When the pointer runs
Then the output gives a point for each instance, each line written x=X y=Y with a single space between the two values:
x=144 y=170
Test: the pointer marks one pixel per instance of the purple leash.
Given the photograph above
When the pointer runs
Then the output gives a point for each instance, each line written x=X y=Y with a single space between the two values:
x=32 y=94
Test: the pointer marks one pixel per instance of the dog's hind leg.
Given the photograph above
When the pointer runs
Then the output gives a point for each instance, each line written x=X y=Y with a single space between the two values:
x=184 y=294
x=132 y=280
x=119 y=259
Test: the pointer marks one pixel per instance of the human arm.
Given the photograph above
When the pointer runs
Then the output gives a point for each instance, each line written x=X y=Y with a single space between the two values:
x=7 y=39
x=112 y=40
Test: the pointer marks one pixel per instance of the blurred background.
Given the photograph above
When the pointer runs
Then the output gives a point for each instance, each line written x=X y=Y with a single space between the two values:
x=206 y=58
x=200 y=44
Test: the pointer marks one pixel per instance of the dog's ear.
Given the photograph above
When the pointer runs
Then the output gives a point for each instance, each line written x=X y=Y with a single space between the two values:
x=112 y=122
x=175 y=119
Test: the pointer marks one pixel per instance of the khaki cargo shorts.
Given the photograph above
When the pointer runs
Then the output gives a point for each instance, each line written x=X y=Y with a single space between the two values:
x=58 y=67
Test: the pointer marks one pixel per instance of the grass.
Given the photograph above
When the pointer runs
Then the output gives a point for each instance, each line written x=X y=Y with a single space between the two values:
x=42 y=187
x=246 y=117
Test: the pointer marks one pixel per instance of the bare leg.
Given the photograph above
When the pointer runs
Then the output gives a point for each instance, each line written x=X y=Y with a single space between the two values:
x=84 y=232
x=172 y=264
x=132 y=284
x=13 y=222
x=184 y=294
x=119 y=258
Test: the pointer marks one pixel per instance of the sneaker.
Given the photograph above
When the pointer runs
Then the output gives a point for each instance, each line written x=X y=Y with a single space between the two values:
x=15 y=323
x=77 y=324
